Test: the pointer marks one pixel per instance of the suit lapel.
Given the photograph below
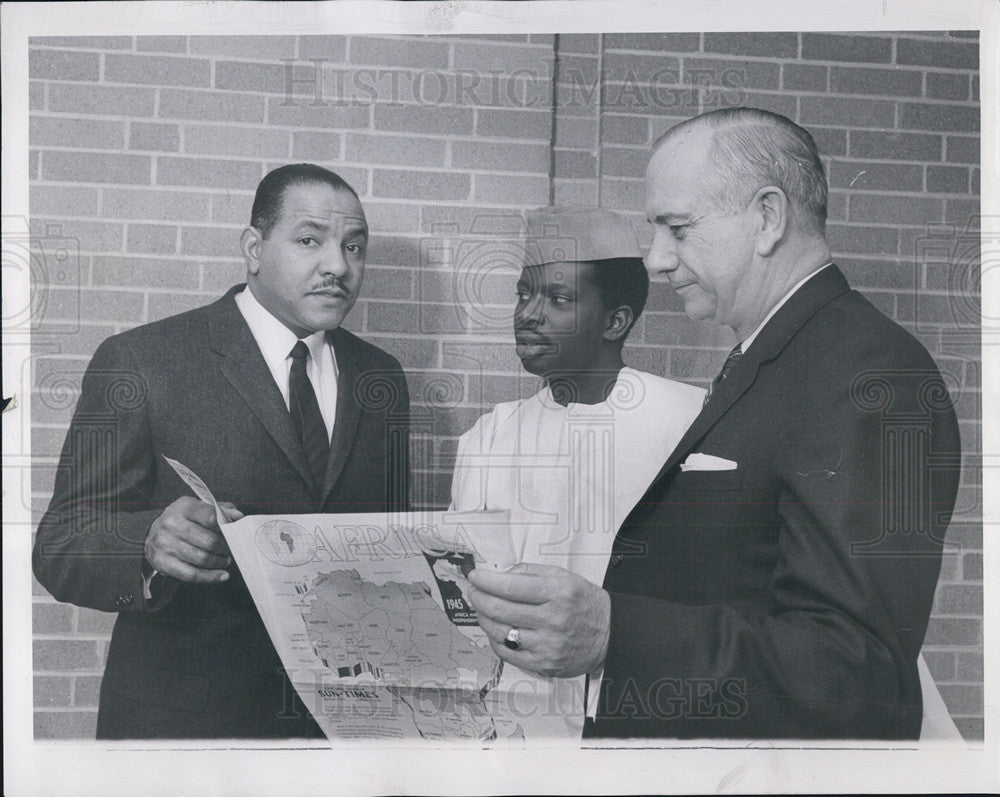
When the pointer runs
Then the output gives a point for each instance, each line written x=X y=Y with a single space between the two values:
x=246 y=371
x=723 y=398
x=345 y=426
x=783 y=326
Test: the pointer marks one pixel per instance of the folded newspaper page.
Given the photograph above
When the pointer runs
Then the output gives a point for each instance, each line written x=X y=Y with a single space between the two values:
x=369 y=616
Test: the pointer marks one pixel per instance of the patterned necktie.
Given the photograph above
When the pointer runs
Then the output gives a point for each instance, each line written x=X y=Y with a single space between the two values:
x=727 y=366
x=306 y=417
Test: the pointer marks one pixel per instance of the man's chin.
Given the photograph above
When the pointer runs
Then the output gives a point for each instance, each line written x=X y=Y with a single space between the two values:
x=328 y=321
x=534 y=363
x=699 y=310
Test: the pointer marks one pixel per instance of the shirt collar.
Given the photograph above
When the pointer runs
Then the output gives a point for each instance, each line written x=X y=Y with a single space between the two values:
x=273 y=337
x=745 y=344
x=624 y=373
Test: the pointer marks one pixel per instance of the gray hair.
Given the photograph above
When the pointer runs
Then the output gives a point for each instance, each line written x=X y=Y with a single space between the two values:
x=752 y=148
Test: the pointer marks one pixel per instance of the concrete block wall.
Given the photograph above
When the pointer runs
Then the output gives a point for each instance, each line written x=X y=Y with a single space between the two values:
x=145 y=152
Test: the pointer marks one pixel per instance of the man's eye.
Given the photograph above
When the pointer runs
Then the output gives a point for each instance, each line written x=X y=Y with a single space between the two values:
x=558 y=300
x=522 y=296
x=307 y=240
x=355 y=249
x=678 y=230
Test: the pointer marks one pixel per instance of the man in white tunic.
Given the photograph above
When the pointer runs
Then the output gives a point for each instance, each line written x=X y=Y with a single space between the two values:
x=570 y=462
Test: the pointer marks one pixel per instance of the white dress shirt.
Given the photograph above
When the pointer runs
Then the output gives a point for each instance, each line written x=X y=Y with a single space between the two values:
x=275 y=341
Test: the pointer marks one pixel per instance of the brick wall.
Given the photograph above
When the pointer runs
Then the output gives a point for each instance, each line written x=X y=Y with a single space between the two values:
x=145 y=153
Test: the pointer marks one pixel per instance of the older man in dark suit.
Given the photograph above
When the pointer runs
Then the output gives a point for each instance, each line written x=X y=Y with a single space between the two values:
x=279 y=410
x=777 y=577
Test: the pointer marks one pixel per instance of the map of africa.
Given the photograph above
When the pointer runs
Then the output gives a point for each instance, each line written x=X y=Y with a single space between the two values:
x=395 y=632
x=285 y=543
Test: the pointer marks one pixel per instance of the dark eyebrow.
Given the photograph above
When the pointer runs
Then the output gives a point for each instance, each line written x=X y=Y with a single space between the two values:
x=310 y=224
x=563 y=290
x=562 y=285
x=352 y=231
x=670 y=219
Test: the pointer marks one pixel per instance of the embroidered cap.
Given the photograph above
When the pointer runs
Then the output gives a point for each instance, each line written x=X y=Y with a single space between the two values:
x=566 y=234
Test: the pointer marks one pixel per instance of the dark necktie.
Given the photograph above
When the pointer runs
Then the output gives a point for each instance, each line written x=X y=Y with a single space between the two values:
x=306 y=416
x=727 y=366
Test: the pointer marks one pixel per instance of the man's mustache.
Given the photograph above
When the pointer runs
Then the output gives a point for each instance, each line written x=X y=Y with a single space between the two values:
x=336 y=284
x=526 y=335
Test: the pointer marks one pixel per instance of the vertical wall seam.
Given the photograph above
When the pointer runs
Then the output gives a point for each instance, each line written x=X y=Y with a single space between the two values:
x=552 y=125
x=600 y=113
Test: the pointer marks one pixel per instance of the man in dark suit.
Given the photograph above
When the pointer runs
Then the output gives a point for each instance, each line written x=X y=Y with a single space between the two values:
x=279 y=410
x=777 y=577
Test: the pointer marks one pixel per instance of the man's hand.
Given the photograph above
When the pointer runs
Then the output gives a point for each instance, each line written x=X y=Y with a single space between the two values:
x=563 y=620
x=185 y=542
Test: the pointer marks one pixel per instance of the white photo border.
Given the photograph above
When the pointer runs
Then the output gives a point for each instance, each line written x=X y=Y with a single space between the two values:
x=44 y=767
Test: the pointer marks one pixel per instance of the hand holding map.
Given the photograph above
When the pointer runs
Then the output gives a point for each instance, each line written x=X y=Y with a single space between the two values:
x=369 y=615
x=185 y=543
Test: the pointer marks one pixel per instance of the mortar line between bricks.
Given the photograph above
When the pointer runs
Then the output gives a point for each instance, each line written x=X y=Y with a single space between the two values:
x=891 y=68
x=764 y=59
x=893 y=162
x=155 y=54
x=896 y=98
x=154 y=154
x=437 y=170
x=854 y=95
x=76 y=48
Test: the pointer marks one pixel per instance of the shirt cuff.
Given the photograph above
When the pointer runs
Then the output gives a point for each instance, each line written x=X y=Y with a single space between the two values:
x=147 y=582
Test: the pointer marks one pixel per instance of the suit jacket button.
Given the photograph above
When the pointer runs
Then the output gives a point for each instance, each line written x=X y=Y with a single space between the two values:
x=617 y=559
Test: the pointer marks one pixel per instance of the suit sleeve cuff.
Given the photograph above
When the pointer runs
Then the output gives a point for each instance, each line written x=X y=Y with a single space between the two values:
x=157 y=589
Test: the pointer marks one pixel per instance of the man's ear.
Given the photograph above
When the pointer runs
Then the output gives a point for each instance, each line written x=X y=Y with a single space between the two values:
x=619 y=321
x=771 y=221
x=250 y=243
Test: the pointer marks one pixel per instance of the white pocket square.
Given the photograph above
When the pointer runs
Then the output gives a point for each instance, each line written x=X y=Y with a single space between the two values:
x=707 y=462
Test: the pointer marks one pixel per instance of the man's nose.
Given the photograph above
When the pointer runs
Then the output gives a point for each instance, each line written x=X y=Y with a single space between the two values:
x=529 y=313
x=333 y=263
x=661 y=258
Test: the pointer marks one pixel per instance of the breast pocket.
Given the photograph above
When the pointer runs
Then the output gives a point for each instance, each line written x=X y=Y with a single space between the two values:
x=708 y=480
